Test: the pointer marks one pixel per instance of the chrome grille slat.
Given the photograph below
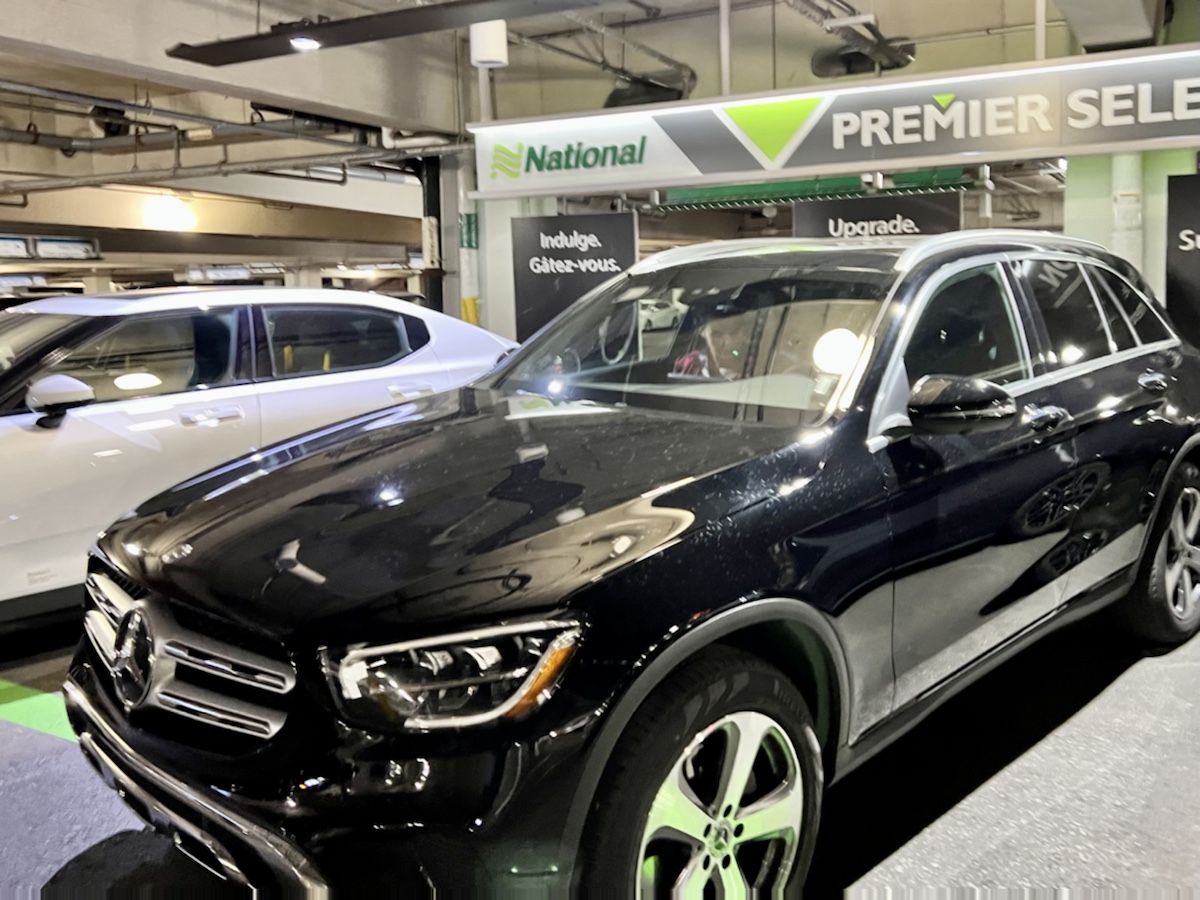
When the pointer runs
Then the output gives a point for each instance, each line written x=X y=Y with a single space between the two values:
x=109 y=597
x=248 y=668
x=174 y=651
x=216 y=709
x=102 y=632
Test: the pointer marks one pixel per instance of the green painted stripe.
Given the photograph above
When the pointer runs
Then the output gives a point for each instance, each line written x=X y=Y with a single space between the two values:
x=33 y=709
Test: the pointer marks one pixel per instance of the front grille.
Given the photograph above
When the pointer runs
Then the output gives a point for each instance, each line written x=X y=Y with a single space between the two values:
x=158 y=664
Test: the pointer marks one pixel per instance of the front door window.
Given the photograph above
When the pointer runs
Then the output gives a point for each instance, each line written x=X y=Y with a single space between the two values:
x=153 y=355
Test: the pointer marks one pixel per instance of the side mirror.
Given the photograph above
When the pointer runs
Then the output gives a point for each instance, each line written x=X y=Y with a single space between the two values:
x=947 y=404
x=53 y=395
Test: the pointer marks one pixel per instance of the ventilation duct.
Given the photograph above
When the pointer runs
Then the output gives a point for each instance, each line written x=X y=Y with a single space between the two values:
x=864 y=51
x=1115 y=24
x=656 y=87
x=846 y=60
x=111 y=122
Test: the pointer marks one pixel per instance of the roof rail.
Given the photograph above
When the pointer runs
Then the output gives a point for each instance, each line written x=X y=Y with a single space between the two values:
x=1036 y=240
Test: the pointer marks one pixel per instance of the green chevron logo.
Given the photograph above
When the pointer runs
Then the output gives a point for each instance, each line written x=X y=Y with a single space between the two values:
x=772 y=126
x=507 y=161
x=944 y=100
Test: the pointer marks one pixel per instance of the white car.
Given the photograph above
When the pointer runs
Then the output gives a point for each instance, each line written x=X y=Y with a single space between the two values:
x=660 y=314
x=108 y=400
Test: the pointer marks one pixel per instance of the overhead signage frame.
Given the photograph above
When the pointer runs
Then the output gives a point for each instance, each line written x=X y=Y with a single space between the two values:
x=1102 y=104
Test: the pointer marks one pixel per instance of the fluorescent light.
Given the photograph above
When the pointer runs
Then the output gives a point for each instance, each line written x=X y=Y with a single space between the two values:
x=304 y=44
x=166 y=212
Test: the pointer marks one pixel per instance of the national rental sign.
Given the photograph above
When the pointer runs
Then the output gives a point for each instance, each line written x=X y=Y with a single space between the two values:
x=1102 y=104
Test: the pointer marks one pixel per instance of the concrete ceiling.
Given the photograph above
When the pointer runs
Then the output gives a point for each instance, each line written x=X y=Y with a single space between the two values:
x=29 y=70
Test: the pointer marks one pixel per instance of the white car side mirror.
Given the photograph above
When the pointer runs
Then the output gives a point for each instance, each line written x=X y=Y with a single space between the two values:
x=53 y=395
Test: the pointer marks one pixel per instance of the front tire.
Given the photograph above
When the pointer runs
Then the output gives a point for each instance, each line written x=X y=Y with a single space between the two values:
x=1163 y=608
x=714 y=786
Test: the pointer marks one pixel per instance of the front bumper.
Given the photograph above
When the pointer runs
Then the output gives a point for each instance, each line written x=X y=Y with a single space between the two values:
x=521 y=832
x=222 y=840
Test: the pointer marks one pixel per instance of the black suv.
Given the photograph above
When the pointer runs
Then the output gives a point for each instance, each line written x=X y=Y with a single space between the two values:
x=612 y=618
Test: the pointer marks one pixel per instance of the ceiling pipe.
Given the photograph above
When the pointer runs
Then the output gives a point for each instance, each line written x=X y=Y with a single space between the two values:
x=162 y=140
x=742 y=5
x=29 y=90
x=153 y=176
x=368 y=174
x=601 y=64
x=686 y=73
x=723 y=29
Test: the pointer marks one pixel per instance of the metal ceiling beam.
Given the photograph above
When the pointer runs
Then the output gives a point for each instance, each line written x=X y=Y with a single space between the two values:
x=365 y=29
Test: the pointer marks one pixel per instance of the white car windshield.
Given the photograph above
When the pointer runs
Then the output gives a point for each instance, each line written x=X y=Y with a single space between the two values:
x=21 y=332
x=768 y=338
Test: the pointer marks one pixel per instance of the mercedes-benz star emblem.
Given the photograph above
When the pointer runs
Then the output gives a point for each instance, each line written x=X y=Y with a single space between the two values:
x=134 y=660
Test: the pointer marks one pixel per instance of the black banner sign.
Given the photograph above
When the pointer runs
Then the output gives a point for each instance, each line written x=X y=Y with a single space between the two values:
x=558 y=259
x=1183 y=254
x=886 y=216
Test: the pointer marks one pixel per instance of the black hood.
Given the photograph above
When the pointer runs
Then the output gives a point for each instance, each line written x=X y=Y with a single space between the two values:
x=468 y=504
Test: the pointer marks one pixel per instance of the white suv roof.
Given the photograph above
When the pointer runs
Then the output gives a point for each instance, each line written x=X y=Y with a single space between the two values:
x=168 y=299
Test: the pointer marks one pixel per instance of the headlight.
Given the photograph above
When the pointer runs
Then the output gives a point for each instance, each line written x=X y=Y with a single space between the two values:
x=454 y=680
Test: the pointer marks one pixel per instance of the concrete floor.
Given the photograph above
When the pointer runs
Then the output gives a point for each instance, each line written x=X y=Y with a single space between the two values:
x=1076 y=766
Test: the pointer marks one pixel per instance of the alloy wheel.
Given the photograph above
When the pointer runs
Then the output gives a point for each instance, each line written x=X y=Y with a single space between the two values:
x=1182 y=554
x=725 y=823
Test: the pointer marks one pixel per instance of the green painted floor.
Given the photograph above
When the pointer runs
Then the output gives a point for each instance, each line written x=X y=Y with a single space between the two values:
x=34 y=709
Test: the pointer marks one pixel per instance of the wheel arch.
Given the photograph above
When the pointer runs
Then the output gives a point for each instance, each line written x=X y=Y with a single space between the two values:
x=789 y=634
x=1189 y=452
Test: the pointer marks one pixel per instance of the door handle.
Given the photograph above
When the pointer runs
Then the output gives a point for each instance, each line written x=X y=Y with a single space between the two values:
x=1154 y=382
x=1045 y=418
x=211 y=417
x=409 y=391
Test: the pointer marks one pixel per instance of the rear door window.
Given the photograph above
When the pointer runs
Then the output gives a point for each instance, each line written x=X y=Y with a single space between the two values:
x=314 y=340
x=1077 y=332
x=1145 y=321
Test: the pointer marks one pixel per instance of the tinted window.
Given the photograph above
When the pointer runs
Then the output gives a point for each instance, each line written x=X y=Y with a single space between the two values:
x=311 y=340
x=1149 y=326
x=1118 y=326
x=417 y=330
x=967 y=329
x=1077 y=333
x=145 y=357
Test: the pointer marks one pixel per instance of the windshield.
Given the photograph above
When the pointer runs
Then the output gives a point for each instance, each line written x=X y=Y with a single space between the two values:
x=20 y=333
x=767 y=338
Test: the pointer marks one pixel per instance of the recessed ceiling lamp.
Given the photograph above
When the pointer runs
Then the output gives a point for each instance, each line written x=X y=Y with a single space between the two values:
x=303 y=44
x=166 y=212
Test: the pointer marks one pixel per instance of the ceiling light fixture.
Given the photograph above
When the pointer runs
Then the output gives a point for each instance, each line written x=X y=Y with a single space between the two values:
x=166 y=212
x=303 y=44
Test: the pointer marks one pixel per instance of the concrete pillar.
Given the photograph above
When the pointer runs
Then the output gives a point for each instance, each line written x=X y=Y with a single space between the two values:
x=1127 y=207
x=461 y=269
x=303 y=278
x=97 y=283
x=497 y=298
x=1087 y=199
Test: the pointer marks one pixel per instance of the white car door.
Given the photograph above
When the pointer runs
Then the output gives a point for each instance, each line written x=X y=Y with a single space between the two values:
x=192 y=409
x=334 y=362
